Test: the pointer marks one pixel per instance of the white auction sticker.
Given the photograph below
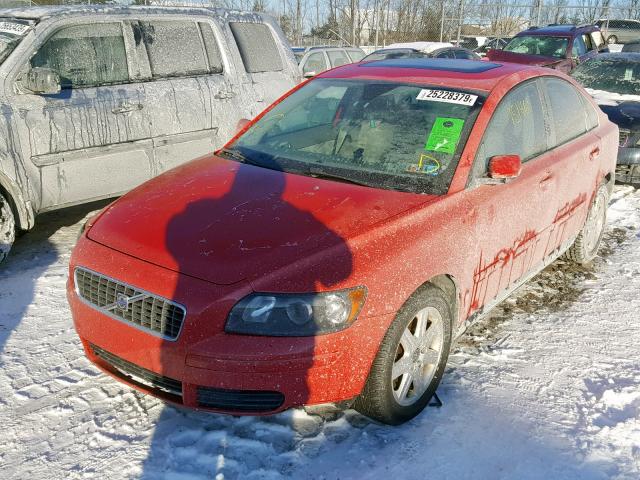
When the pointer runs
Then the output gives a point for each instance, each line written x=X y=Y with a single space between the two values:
x=447 y=97
x=15 y=28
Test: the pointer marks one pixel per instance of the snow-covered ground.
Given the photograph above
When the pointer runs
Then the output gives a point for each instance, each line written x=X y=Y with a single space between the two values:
x=547 y=388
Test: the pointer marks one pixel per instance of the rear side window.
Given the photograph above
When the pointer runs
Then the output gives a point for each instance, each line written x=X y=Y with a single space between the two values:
x=175 y=48
x=569 y=117
x=338 y=57
x=516 y=128
x=85 y=55
x=257 y=47
x=445 y=54
x=315 y=63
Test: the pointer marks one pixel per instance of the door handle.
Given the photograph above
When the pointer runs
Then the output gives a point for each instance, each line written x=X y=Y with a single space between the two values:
x=595 y=153
x=224 y=95
x=546 y=181
x=127 y=108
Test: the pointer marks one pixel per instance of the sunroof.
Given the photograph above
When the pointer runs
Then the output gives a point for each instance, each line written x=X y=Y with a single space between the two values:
x=450 y=65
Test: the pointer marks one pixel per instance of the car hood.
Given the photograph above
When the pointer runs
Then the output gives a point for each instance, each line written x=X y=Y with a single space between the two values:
x=623 y=110
x=223 y=222
x=523 y=58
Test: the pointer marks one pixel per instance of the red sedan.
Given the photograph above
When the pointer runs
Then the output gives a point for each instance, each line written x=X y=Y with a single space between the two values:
x=334 y=250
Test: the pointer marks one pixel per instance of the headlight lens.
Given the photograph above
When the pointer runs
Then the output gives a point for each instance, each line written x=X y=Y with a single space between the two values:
x=296 y=315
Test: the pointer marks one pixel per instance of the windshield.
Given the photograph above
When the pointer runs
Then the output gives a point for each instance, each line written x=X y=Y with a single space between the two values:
x=11 y=32
x=380 y=134
x=539 y=45
x=617 y=76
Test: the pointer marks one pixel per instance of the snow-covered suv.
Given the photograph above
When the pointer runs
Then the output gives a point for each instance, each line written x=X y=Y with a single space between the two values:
x=94 y=101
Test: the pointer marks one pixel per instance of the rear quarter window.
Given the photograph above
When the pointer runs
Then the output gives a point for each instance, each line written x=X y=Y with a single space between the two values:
x=257 y=47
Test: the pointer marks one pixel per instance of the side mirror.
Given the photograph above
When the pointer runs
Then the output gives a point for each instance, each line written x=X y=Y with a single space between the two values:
x=505 y=167
x=309 y=74
x=41 y=81
x=243 y=122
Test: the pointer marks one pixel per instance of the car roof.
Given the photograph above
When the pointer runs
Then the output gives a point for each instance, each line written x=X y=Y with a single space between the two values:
x=43 y=12
x=452 y=73
x=561 y=30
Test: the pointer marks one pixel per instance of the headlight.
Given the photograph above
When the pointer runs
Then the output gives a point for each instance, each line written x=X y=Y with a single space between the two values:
x=296 y=315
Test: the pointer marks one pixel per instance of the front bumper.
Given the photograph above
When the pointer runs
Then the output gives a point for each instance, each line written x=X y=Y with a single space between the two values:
x=628 y=166
x=205 y=368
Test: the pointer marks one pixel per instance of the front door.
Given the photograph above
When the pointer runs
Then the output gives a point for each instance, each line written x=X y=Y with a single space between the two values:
x=512 y=220
x=91 y=140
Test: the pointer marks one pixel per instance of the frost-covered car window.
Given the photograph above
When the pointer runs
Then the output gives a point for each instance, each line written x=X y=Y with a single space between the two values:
x=11 y=33
x=538 y=45
x=383 y=134
x=517 y=127
x=610 y=75
x=85 y=55
x=570 y=118
x=212 y=48
x=175 y=48
x=257 y=47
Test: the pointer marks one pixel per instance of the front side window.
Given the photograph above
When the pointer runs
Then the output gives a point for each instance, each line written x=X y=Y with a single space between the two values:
x=579 y=48
x=85 y=55
x=538 y=45
x=174 y=47
x=257 y=47
x=355 y=55
x=381 y=134
x=517 y=127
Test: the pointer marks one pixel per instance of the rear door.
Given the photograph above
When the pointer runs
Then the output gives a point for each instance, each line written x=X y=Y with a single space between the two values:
x=92 y=139
x=576 y=149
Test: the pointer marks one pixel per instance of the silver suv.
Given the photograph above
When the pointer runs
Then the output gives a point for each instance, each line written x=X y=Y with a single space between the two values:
x=96 y=101
x=620 y=31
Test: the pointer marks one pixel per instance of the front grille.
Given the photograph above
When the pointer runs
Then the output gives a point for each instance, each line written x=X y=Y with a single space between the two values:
x=139 y=375
x=624 y=137
x=239 y=400
x=129 y=304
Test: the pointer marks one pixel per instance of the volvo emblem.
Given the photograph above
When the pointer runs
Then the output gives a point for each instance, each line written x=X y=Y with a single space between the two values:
x=122 y=301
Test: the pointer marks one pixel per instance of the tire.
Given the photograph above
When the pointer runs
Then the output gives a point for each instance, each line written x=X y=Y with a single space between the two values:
x=7 y=228
x=382 y=397
x=611 y=39
x=585 y=247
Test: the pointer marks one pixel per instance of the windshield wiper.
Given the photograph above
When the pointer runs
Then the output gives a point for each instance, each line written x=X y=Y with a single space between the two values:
x=340 y=178
x=238 y=156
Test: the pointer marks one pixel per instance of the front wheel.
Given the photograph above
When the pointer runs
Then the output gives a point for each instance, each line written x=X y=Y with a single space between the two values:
x=410 y=363
x=585 y=247
x=612 y=39
x=7 y=228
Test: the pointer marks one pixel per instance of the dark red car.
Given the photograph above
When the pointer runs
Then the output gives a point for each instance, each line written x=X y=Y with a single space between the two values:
x=561 y=47
x=336 y=247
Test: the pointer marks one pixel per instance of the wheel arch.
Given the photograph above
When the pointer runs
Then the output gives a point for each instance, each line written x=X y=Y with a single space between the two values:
x=449 y=285
x=21 y=211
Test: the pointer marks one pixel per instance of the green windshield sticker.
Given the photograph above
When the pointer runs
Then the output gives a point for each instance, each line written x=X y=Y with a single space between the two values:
x=445 y=135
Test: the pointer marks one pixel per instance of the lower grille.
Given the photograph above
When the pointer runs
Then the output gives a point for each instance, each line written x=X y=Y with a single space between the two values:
x=239 y=400
x=130 y=304
x=139 y=375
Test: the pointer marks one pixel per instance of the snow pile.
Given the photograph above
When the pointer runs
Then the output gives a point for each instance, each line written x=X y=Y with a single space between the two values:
x=611 y=98
x=547 y=387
